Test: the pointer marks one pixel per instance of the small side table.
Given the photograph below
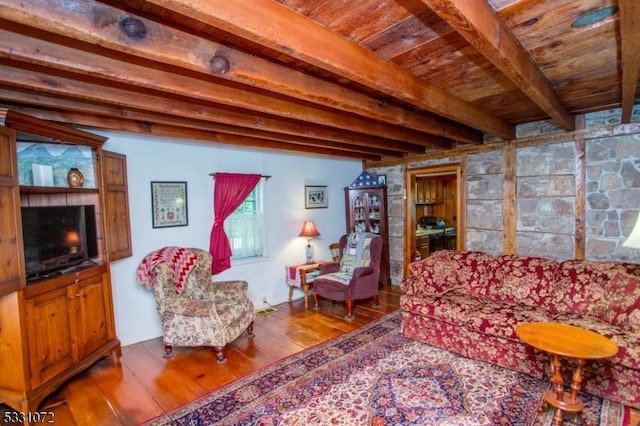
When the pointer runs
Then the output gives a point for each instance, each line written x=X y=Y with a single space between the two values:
x=562 y=340
x=301 y=276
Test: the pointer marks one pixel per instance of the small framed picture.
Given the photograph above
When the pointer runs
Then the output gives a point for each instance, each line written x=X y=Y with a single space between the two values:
x=169 y=204
x=315 y=197
x=382 y=180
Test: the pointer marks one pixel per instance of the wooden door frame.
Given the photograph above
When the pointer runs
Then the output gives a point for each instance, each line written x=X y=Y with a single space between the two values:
x=410 y=224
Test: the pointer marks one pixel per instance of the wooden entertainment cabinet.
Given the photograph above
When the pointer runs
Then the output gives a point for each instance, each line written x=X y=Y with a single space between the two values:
x=55 y=327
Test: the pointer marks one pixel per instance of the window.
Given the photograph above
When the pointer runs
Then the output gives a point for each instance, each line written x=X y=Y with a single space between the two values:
x=245 y=227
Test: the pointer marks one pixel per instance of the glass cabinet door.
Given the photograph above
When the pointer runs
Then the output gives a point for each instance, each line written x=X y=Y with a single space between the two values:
x=366 y=212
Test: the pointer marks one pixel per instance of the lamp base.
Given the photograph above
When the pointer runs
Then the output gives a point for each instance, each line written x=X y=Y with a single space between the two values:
x=308 y=253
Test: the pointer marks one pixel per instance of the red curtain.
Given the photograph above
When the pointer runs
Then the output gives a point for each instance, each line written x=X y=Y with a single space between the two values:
x=230 y=190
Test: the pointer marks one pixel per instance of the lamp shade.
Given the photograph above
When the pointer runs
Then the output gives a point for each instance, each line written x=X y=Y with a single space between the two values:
x=72 y=239
x=633 y=240
x=309 y=229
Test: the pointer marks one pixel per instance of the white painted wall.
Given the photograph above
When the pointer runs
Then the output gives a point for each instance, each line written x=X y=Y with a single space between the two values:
x=155 y=159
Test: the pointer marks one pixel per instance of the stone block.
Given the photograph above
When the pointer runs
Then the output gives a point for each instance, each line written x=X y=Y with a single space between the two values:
x=543 y=186
x=484 y=240
x=485 y=187
x=485 y=163
x=551 y=246
x=484 y=214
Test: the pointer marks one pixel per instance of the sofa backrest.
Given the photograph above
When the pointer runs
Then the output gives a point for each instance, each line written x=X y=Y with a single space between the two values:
x=583 y=286
x=572 y=286
x=526 y=280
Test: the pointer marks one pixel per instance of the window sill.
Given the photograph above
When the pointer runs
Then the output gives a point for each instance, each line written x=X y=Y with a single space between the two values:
x=249 y=260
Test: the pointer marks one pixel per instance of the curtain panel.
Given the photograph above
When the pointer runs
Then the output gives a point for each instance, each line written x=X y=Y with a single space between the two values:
x=230 y=190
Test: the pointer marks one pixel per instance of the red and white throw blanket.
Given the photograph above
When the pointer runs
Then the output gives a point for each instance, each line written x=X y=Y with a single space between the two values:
x=179 y=259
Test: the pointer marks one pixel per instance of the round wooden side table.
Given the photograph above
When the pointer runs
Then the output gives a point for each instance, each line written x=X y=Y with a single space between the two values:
x=562 y=340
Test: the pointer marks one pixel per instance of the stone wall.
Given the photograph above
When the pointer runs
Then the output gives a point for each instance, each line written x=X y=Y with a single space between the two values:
x=612 y=196
x=545 y=201
x=545 y=196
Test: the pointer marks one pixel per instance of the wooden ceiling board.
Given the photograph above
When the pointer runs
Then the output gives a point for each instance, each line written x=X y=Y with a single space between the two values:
x=364 y=19
x=407 y=34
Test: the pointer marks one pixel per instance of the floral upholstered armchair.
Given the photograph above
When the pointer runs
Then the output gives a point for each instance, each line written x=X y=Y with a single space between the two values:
x=355 y=276
x=193 y=309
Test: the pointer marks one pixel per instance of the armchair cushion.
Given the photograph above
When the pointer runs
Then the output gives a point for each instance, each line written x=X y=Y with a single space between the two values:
x=189 y=307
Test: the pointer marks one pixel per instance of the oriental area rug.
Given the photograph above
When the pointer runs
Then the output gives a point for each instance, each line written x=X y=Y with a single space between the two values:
x=374 y=376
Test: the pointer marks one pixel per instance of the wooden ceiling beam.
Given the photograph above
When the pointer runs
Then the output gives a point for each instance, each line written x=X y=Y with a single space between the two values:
x=72 y=109
x=274 y=26
x=117 y=112
x=98 y=24
x=481 y=26
x=55 y=57
x=630 y=54
x=78 y=90
x=190 y=134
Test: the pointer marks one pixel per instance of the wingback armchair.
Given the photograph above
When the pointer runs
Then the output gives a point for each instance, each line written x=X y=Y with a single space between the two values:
x=205 y=312
x=357 y=274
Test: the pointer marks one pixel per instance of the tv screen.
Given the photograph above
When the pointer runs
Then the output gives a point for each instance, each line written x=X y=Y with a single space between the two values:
x=57 y=237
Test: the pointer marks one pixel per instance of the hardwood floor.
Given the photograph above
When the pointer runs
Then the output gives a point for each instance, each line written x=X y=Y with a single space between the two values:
x=143 y=384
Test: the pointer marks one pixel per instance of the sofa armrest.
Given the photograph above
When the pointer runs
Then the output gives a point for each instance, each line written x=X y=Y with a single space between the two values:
x=433 y=276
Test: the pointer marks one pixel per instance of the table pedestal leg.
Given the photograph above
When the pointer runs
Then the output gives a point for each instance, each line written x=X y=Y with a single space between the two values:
x=565 y=401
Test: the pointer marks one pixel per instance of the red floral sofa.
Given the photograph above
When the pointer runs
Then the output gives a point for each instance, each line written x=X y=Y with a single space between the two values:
x=471 y=303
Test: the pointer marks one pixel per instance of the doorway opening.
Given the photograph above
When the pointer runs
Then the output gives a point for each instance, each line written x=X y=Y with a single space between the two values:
x=435 y=217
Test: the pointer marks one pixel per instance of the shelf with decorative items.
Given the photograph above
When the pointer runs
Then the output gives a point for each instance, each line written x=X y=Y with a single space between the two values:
x=429 y=192
x=58 y=222
x=49 y=166
x=30 y=189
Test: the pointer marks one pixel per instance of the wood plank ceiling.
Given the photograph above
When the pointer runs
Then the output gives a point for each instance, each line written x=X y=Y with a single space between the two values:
x=367 y=79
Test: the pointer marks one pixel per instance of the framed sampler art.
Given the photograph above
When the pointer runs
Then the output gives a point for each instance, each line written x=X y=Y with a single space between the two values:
x=169 y=204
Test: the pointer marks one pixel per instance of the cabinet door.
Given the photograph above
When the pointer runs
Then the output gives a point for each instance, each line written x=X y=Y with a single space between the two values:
x=90 y=328
x=422 y=245
x=12 y=265
x=49 y=335
x=116 y=205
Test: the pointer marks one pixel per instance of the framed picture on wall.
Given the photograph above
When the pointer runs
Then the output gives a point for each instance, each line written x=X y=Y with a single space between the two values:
x=315 y=197
x=169 y=204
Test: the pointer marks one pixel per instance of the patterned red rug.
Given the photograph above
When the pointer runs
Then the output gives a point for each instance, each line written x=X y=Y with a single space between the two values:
x=374 y=376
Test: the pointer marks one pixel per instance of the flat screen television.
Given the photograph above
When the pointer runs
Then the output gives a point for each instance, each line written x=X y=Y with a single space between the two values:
x=57 y=238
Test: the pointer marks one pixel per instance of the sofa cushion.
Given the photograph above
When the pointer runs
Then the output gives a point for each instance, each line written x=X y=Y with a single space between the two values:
x=452 y=308
x=501 y=319
x=623 y=301
x=628 y=343
x=509 y=278
x=474 y=271
x=582 y=286
x=530 y=281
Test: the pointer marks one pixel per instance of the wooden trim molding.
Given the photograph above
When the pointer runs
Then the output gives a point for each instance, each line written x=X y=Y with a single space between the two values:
x=580 y=196
x=509 y=203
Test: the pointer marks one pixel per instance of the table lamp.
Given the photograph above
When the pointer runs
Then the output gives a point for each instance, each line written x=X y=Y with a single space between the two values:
x=309 y=231
x=633 y=240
